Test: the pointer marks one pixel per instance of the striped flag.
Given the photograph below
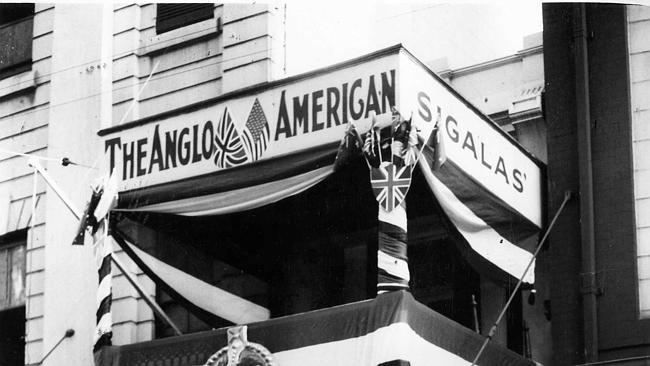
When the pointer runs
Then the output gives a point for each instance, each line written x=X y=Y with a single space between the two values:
x=102 y=250
x=390 y=178
x=256 y=135
x=392 y=260
x=230 y=149
x=95 y=220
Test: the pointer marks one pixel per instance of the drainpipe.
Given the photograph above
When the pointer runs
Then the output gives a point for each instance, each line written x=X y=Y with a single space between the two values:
x=583 y=119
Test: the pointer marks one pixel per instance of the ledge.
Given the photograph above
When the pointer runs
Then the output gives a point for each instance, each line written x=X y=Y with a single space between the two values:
x=17 y=83
x=176 y=37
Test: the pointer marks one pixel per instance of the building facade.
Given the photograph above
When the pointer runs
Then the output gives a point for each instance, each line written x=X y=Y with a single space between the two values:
x=596 y=66
x=138 y=61
x=57 y=89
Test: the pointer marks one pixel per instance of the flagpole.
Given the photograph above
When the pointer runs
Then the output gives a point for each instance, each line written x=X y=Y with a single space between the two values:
x=133 y=281
x=567 y=197
x=152 y=304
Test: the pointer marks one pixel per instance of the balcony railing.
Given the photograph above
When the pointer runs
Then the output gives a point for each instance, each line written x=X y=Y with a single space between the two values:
x=392 y=329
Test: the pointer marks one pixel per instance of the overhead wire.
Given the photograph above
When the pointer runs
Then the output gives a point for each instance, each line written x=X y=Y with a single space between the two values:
x=184 y=35
x=124 y=53
x=66 y=161
x=114 y=56
x=50 y=106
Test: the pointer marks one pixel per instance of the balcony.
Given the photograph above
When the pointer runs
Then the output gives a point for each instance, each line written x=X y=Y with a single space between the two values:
x=393 y=329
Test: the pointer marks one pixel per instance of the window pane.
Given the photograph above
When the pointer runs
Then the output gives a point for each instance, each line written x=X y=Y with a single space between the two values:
x=16 y=29
x=4 y=276
x=173 y=16
x=17 y=286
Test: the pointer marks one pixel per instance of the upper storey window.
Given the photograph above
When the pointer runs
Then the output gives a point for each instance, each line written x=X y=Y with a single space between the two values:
x=16 y=29
x=173 y=16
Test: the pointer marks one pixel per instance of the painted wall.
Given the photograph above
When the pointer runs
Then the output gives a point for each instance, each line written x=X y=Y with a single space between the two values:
x=638 y=27
x=24 y=117
x=619 y=330
x=85 y=75
x=508 y=89
x=70 y=275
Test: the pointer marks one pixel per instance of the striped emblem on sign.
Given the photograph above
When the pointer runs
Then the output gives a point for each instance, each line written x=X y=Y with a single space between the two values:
x=390 y=184
x=230 y=149
x=256 y=135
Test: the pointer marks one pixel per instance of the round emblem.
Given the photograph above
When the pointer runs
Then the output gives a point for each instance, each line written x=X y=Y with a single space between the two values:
x=241 y=352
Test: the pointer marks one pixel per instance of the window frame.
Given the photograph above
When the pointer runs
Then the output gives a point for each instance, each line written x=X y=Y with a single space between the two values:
x=182 y=19
x=25 y=63
x=7 y=243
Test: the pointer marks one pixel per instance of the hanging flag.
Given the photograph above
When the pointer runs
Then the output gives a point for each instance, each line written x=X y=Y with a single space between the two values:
x=391 y=153
x=437 y=143
x=102 y=200
x=230 y=149
x=390 y=184
x=350 y=145
x=87 y=219
x=102 y=250
x=256 y=135
x=95 y=219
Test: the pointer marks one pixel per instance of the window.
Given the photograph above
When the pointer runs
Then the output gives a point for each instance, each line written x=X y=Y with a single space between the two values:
x=173 y=16
x=12 y=298
x=16 y=29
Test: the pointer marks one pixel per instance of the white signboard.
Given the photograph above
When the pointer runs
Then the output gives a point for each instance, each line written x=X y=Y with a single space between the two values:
x=471 y=142
x=276 y=121
x=298 y=114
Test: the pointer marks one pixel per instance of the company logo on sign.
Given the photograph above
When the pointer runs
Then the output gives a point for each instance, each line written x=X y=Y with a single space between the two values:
x=233 y=148
x=169 y=149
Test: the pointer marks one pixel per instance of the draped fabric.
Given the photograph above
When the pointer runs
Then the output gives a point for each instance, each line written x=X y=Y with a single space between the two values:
x=392 y=259
x=241 y=199
x=203 y=299
x=494 y=238
x=237 y=189
x=393 y=329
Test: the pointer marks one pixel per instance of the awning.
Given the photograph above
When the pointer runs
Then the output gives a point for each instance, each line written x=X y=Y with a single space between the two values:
x=392 y=329
x=260 y=145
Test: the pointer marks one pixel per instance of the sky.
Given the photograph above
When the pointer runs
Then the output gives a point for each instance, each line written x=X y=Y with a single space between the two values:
x=322 y=33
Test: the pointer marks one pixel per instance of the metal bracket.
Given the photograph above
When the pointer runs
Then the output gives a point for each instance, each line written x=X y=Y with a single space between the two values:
x=591 y=283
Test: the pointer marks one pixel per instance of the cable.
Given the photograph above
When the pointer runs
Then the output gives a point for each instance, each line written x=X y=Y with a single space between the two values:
x=16 y=153
x=113 y=56
x=129 y=51
x=68 y=334
x=50 y=106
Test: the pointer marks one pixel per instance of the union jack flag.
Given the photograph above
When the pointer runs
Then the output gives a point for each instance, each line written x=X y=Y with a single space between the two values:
x=390 y=184
x=230 y=149
x=256 y=135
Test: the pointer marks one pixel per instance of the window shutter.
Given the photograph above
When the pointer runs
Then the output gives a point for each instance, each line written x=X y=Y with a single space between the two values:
x=173 y=16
